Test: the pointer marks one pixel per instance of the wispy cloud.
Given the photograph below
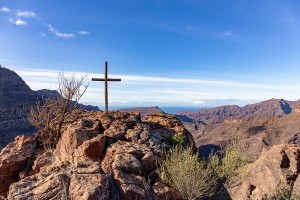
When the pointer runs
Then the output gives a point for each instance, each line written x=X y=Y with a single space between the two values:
x=190 y=28
x=134 y=89
x=58 y=33
x=4 y=9
x=287 y=20
x=228 y=33
x=17 y=22
x=83 y=32
x=26 y=14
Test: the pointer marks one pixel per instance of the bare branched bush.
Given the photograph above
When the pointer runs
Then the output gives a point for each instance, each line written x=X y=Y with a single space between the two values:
x=187 y=174
x=49 y=115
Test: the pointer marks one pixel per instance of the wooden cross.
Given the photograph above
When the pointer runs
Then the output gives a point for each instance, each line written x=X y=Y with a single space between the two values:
x=105 y=79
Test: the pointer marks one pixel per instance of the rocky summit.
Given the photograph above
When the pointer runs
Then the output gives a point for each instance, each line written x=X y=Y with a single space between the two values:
x=99 y=156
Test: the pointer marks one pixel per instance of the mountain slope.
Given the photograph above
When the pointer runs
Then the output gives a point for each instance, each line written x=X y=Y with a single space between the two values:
x=252 y=134
x=272 y=107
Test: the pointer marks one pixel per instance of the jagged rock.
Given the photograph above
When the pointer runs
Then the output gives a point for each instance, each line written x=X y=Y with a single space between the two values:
x=76 y=134
x=163 y=126
x=89 y=187
x=125 y=156
x=13 y=160
x=42 y=187
x=164 y=192
x=43 y=159
x=90 y=149
x=117 y=123
x=276 y=170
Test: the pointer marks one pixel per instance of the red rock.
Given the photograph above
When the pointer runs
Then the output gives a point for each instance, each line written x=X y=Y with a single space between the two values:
x=164 y=192
x=90 y=149
x=13 y=160
x=42 y=187
x=89 y=187
x=277 y=169
x=74 y=135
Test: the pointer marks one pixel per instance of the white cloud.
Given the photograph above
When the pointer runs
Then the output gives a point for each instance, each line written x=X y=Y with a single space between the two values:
x=199 y=102
x=4 y=9
x=59 y=34
x=83 y=32
x=17 y=22
x=228 y=33
x=26 y=14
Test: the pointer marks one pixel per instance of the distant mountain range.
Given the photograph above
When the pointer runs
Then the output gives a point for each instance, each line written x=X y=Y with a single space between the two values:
x=272 y=107
x=16 y=97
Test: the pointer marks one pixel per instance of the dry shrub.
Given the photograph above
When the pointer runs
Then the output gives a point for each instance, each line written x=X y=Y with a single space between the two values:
x=49 y=115
x=229 y=166
x=187 y=174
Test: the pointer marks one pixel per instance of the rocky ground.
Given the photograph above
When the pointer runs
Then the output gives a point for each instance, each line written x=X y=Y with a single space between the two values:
x=113 y=156
x=99 y=156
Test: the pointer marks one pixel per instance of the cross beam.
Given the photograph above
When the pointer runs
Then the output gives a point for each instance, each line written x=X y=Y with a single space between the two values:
x=105 y=79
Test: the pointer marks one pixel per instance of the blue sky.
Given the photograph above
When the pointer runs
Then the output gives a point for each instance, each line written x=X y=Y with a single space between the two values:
x=167 y=52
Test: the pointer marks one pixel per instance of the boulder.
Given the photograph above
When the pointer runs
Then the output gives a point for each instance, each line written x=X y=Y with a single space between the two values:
x=75 y=135
x=163 y=126
x=42 y=187
x=276 y=170
x=13 y=160
x=89 y=187
x=128 y=162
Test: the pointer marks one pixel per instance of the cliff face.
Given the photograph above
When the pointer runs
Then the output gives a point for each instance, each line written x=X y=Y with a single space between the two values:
x=99 y=156
x=15 y=99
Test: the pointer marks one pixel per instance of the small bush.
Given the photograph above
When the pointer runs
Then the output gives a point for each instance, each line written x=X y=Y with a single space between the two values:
x=176 y=140
x=187 y=174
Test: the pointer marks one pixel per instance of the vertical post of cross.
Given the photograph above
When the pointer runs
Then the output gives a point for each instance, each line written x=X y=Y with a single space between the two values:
x=106 y=89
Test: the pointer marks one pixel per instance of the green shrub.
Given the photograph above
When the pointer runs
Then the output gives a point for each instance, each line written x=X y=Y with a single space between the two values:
x=176 y=140
x=187 y=174
x=229 y=164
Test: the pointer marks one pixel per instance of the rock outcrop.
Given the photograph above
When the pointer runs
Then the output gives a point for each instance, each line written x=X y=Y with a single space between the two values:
x=277 y=170
x=99 y=156
x=13 y=159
